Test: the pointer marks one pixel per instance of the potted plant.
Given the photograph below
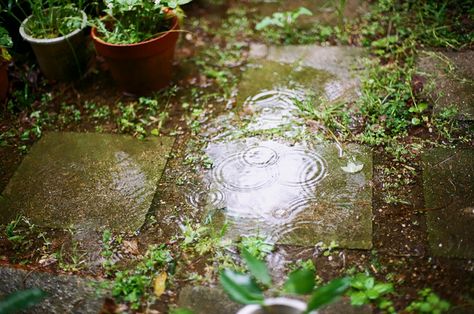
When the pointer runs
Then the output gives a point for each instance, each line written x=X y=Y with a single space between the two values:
x=56 y=32
x=245 y=289
x=137 y=39
x=5 y=42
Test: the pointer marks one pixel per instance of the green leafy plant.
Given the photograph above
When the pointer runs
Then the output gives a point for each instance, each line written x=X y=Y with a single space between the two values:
x=21 y=300
x=107 y=252
x=5 y=42
x=244 y=288
x=281 y=26
x=132 y=285
x=257 y=245
x=138 y=117
x=71 y=258
x=49 y=18
x=283 y=20
x=365 y=290
x=428 y=302
x=134 y=21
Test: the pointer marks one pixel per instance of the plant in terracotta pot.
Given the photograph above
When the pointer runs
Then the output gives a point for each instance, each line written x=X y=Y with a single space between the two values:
x=245 y=289
x=56 y=32
x=137 y=39
x=5 y=42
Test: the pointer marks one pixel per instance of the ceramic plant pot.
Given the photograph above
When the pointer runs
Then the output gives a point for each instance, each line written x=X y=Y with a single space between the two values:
x=62 y=58
x=142 y=67
x=3 y=79
x=276 y=306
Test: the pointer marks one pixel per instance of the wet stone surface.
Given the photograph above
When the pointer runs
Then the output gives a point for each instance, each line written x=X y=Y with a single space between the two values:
x=206 y=300
x=68 y=294
x=448 y=176
x=341 y=63
x=270 y=91
x=293 y=194
x=87 y=181
x=449 y=80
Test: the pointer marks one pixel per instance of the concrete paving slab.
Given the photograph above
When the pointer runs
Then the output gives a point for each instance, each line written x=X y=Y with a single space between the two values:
x=448 y=176
x=86 y=181
x=67 y=294
x=292 y=194
x=449 y=81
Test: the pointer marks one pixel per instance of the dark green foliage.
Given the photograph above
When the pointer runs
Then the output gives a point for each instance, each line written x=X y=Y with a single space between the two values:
x=21 y=300
x=327 y=293
x=300 y=281
x=241 y=288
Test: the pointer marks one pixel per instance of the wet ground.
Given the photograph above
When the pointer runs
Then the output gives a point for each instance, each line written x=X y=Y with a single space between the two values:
x=238 y=153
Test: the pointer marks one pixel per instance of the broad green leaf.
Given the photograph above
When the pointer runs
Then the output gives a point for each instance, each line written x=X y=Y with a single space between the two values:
x=172 y=4
x=264 y=23
x=358 y=282
x=358 y=298
x=21 y=300
x=257 y=268
x=415 y=121
x=181 y=2
x=241 y=288
x=300 y=281
x=372 y=294
x=327 y=293
x=369 y=282
x=304 y=11
x=383 y=288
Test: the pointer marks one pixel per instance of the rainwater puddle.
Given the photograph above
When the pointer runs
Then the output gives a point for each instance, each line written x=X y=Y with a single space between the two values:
x=273 y=108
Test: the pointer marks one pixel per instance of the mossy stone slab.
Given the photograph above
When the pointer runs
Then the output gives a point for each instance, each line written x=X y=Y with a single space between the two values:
x=449 y=81
x=66 y=294
x=335 y=69
x=87 y=180
x=448 y=176
x=292 y=193
x=206 y=300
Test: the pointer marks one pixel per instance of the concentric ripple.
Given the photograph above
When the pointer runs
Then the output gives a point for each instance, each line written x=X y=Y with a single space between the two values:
x=236 y=175
x=301 y=168
x=295 y=207
x=273 y=107
x=205 y=198
x=260 y=156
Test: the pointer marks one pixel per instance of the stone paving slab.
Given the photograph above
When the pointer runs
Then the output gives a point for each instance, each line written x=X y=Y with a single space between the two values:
x=87 y=181
x=293 y=194
x=342 y=62
x=206 y=300
x=448 y=176
x=269 y=90
x=449 y=80
x=68 y=294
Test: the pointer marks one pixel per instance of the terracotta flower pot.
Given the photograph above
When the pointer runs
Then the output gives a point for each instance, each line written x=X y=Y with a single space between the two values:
x=142 y=67
x=3 y=79
x=62 y=58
